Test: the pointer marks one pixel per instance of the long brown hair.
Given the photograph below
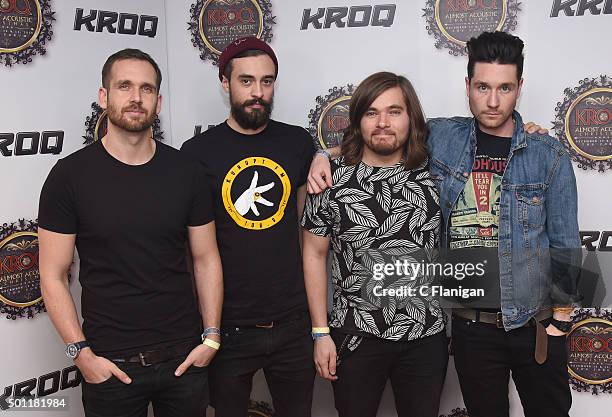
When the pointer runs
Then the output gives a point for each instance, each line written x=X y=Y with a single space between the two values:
x=415 y=151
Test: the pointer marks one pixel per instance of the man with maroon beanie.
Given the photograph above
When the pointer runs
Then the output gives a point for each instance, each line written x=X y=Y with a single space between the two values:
x=257 y=169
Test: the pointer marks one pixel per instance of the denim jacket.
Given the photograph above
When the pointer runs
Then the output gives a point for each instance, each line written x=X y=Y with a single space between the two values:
x=539 y=244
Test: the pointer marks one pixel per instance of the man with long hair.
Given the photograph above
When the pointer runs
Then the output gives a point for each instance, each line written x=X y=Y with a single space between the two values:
x=382 y=207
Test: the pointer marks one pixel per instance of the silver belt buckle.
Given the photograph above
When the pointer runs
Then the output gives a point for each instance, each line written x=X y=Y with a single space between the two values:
x=143 y=362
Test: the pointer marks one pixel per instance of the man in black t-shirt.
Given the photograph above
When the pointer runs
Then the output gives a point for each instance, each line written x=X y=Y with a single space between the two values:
x=129 y=204
x=257 y=169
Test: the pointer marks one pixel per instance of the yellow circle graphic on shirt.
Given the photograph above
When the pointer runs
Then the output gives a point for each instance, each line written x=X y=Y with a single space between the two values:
x=253 y=196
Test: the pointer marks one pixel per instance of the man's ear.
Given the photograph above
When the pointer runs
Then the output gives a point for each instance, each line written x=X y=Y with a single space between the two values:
x=520 y=86
x=225 y=84
x=467 y=86
x=103 y=97
x=159 y=104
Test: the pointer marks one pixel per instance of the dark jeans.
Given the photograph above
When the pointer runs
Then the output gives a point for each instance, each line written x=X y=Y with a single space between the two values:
x=184 y=396
x=417 y=370
x=484 y=358
x=284 y=352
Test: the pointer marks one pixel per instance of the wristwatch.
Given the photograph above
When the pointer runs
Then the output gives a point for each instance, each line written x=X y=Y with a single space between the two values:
x=73 y=349
x=564 y=326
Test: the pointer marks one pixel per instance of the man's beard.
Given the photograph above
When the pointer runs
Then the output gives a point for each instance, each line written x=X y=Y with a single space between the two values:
x=255 y=118
x=117 y=118
x=384 y=148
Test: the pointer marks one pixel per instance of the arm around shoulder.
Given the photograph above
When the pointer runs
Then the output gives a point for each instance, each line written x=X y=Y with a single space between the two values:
x=563 y=233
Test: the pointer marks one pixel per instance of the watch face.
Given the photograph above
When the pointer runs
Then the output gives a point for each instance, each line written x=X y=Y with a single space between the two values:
x=72 y=351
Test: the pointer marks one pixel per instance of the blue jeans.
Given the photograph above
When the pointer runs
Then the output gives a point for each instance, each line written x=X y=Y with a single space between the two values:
x=171 y=396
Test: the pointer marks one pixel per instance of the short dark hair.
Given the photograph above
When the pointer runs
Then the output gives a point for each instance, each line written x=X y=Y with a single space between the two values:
x=415 y=151
x=495 y=47
x=128 y=54
x=249 y=52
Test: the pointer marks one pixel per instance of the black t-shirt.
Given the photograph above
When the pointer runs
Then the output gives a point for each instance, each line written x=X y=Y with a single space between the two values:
x=254 y=181
x=131 y=224
x=474 y=221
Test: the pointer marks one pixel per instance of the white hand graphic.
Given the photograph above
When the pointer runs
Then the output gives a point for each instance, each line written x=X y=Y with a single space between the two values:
x=253 y=195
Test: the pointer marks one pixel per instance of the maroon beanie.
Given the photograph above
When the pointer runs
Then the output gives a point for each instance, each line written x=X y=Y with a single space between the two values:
x=244 y=44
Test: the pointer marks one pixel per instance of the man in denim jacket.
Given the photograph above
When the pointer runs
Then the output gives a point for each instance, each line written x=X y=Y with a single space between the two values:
x=528 y=213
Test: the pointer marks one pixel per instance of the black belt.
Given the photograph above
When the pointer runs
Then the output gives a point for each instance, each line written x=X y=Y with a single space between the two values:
x=152 y=357
x=265 y=325
x=496 y=318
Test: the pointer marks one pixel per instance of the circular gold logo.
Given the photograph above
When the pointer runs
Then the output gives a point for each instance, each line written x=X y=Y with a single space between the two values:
x=459 y=21
x=224 y=21
x=454 y=22
x=216 y=23
x=583 y=123
x=331 y=117
x=20 y=23
x=590 y=351
x=19 y=274
x=588 y=124
x=333 y=121
x=255 y=193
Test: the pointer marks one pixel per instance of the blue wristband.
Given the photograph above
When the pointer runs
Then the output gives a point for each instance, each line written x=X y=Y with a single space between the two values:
x=211 y=330
x=324 y=152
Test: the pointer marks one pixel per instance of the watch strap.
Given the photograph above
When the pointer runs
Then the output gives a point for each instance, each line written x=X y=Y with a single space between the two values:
x=564 y=326
x=82 y=345
x=73 y=349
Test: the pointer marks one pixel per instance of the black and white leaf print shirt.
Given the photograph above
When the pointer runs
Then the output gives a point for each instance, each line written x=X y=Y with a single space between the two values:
x=379 y=216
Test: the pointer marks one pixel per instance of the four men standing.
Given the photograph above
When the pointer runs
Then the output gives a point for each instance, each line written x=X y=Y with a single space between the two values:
x=142 y=340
